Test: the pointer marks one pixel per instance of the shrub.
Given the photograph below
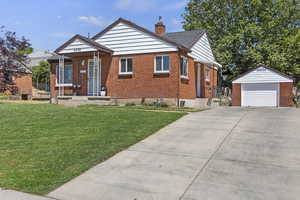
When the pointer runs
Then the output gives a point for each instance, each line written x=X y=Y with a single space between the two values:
x=130 y=104
x=163 y=104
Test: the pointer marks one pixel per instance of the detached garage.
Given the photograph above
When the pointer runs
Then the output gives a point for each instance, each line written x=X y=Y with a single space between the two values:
x=262 y=87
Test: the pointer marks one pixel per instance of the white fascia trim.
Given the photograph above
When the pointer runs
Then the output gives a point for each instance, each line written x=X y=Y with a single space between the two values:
x=263 y=81
x=64 y=85
x=215 y=64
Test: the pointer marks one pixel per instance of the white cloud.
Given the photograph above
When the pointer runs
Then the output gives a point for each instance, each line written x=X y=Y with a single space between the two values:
x=176 y=25
x=135 y=5
x=176 y=6
x=18 y=22
x=176 y=22
x=98 y=21
x=61 y=35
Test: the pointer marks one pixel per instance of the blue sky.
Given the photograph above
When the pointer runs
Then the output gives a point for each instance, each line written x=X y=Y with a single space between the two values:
x=49 y=23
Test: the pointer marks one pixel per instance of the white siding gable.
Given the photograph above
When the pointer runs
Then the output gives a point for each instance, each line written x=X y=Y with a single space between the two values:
x=124 y=39
x=201 y=51
x=262 y=75
x=77 y=46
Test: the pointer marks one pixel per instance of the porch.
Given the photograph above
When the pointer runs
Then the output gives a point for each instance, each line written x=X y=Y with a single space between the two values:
x=77 y=70
x=79 y=75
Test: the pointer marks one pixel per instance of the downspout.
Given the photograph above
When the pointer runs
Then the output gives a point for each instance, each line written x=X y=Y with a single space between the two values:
x=213 y=84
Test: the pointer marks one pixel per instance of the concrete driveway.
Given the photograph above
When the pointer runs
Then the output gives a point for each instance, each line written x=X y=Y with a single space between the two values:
x=219 y=154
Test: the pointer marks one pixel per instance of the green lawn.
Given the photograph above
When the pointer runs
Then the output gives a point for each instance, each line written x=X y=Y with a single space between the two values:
x=166 y=109
x=43 y=146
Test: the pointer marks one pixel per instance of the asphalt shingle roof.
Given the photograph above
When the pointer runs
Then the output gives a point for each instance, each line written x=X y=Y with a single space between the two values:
x=185 y=38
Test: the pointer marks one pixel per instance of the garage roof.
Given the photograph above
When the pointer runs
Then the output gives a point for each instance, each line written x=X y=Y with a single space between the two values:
x=262 y=74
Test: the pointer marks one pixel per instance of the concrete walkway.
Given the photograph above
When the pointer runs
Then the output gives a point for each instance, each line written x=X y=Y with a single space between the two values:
x=14 y=195
x=219 y=154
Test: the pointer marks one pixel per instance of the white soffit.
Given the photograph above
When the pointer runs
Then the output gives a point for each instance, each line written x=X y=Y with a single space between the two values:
x=77 y=46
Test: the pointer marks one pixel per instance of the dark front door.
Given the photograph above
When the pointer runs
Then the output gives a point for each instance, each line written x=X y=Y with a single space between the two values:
x=198 y=80
x=80 y=74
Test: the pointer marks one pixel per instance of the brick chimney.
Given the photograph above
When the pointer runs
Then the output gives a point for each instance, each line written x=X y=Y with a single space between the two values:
x=160 y=28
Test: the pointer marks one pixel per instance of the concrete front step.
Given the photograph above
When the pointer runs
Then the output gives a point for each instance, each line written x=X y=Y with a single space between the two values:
x=83 y=100
x=202 y=103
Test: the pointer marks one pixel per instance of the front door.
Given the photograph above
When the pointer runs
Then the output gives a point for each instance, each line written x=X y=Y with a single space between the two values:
x=93 y=78
x=198 y=80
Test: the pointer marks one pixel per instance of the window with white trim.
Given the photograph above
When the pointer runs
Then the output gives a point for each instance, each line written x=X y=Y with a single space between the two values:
x=184 y=67
x=207 y=74
x=126 y=65
x=162 y=64
x=68 y=74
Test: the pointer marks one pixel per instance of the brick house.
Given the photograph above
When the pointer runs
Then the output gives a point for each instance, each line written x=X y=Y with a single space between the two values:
x=131 y=62
x=21 y=86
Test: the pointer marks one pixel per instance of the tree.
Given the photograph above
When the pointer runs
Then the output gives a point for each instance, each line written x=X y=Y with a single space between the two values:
x=11 y=58
x=25 y=52
x=41 y=74
x=245 y=34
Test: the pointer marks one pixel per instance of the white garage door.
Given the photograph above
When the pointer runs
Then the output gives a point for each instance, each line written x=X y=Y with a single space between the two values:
x=259 y=94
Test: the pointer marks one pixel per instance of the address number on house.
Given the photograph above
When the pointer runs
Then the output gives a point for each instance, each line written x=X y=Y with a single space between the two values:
x=77 y=49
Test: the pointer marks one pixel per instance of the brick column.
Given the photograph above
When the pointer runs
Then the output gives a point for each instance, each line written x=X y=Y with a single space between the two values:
x=236 y=94
x=286 y=94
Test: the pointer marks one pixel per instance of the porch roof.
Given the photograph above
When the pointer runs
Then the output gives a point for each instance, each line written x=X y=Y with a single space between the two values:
x=56 y=58
x=85 y=43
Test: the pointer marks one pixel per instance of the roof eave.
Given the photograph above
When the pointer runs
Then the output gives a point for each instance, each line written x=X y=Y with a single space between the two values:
x=271 y=69
x=214 y=63
x=200 y=36
x=141 y=29
x=77 y=36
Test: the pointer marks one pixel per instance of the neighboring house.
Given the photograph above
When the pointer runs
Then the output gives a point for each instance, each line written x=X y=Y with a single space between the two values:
x=262 y=86
x=22 y=83
x=37 y=56
x=132 y=62
x=34 y=60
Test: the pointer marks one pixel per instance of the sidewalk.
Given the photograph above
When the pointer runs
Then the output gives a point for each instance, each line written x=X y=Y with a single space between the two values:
x=14 y=195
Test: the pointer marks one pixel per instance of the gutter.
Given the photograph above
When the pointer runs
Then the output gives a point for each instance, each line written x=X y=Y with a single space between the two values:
x=214 y=63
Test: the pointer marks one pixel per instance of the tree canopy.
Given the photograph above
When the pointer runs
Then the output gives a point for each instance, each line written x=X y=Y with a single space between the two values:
x=245 y=34
x=41 y=73
x=12 y=58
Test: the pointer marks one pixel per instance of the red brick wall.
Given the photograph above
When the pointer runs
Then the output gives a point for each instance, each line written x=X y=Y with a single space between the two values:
x=188 y=86
x=53 y=79
x=143 y=82
x=236 y=94
x=207 y=86
x=23 y=82
x=53 y=88
x=286 y=94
